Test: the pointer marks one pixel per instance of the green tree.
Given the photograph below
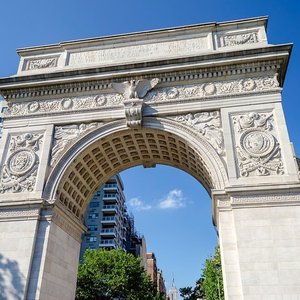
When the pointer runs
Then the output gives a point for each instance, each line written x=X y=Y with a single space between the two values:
x=187 y=293
x=212 y=282
x=113 y=274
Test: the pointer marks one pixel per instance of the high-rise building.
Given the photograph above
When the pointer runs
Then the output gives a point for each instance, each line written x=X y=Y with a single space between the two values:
x=105 y=217
x=173 y=292
x=110 y=226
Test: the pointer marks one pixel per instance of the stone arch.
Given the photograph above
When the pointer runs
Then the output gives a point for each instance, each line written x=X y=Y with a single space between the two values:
x=114 y=147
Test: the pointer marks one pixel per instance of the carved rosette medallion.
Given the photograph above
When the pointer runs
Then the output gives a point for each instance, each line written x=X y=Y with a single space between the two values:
x=208 y=125
x=21 y=161
x=65 y=136
x=258 y=150
x=20 y=170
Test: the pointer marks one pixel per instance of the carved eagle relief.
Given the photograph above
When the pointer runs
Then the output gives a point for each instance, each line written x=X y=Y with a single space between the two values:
x=135 y=89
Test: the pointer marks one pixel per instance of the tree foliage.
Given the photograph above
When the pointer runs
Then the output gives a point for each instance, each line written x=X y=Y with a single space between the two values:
x=210 y=284
x=113 y=274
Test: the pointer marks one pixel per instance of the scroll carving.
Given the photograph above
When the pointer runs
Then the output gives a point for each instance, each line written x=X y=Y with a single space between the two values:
x=20 y=170
x=64 y=136
x=133 y=112
x=258 y=151
x=208 y=124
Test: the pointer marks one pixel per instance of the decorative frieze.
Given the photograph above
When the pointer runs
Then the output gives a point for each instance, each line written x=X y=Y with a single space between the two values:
x=176 y=93
x=20 y=169
x=65 y=104
x=64 y=136
x=257 y=149
x=19 y=213
x=212 y=89
x=208 y=125
x=264 y=199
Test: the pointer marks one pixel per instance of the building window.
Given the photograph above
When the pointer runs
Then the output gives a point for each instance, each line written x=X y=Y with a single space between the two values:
x=94 y=216
x=95 y=204
x=92 y=228
x=91 y=239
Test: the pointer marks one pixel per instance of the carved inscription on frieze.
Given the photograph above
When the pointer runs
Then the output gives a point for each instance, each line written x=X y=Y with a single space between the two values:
x=20 y=169
x=208 y=125
x=257 y=148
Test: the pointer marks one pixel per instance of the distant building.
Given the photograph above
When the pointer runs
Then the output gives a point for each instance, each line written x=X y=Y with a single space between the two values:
x=173 y=293
x=152 y=266
x=105 y=218
x=155 y=273
x=161 y=287
x=109 y=226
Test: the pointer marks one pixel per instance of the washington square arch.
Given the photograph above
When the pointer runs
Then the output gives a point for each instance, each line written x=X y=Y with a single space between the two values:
x=202 y=98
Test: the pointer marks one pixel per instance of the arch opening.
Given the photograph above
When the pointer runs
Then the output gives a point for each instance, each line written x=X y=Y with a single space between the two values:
x=89 y=164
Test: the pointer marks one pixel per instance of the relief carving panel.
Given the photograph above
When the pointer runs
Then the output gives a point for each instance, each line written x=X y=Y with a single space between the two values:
x=20 y=169
x=65 y=136
x=236 y=39
x=257 y=148
x=41 y=63
x=208 y=125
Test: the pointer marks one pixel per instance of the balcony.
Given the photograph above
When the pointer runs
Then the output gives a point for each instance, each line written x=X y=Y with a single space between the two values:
x=108 y=232
x=110 y=208
x=108 y=243
x=109 y=220
x=110 y=187
x=111 y=196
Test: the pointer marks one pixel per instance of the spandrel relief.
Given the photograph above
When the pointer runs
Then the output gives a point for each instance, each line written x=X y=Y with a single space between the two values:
x=208 y=125
x=257 y=147
x=65 y=136
x=19 y=171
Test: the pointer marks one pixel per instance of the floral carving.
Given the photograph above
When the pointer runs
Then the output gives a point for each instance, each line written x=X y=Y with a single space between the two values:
x=258 y=150
x=239 y=39
x=208 y=124
x=64 y=136
x=20 y=170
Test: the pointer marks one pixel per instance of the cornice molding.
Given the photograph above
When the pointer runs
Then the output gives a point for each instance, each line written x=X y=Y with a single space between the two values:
x=68 y=83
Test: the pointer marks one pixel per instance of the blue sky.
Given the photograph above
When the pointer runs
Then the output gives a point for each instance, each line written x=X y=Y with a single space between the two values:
x=170 y=207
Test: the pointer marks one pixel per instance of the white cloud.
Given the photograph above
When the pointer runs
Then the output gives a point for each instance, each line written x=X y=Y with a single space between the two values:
x=174 y=199
x=138 y=204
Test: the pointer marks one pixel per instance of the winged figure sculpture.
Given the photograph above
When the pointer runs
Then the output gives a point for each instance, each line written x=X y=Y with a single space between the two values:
x=135 y=89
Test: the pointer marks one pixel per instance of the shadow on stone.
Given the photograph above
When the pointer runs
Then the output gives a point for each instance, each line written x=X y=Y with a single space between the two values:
x=11 y=279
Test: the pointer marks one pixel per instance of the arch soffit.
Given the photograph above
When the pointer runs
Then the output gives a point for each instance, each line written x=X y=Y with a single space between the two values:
x=212 y=165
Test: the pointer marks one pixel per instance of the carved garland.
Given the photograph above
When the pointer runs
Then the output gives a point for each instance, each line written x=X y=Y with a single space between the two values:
x=20 y=170
x=258 y=151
